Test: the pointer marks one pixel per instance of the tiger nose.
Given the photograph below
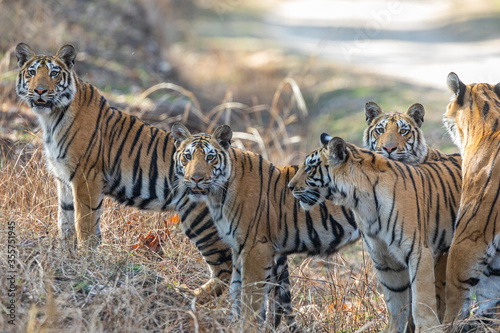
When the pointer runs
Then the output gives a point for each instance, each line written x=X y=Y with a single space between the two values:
x=291 y=187
x=40 y=91
x=197 y=179
x=389 y=148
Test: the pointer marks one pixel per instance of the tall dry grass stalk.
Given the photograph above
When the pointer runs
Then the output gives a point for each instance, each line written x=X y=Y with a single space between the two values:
x=262 y=128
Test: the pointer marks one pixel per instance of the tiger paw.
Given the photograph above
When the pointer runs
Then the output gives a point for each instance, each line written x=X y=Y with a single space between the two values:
x=205 y=293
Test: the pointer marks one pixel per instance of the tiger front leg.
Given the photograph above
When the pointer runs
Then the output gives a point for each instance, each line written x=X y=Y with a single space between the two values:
x=88 y=201
x=66 y=215
x=488 y=290
x=396 y=286
x=200 y=228
x=220 y=271
x=423 y=291
x=236 y=283
x=395 y=283
x=440 y=278
x=257 y=264
x=467 y=259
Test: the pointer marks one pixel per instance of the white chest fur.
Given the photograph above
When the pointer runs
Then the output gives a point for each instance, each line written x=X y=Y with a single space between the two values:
x=55 y=152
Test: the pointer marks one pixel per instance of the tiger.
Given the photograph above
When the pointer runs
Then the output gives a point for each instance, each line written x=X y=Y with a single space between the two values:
x=472 y=118
x=404 y=236
x=94 y=150
x=254 y=212
x=399 y=136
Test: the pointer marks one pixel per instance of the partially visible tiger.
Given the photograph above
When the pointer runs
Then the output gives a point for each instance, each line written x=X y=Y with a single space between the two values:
x=254 y=211
x=399 y=136
x=94 y=150
x=472 y=119
x=405 y=214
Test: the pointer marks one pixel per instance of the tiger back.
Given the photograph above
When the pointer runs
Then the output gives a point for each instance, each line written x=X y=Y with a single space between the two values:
x=93 y=150
x=396 y=206
x=472 y=119
x=253 y=209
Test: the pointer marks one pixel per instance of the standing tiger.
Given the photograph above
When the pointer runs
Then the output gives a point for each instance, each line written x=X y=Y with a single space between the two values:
x=254 y=211
x=403 y=236
x=398 y=136
x=94 y=149
x=472 y=119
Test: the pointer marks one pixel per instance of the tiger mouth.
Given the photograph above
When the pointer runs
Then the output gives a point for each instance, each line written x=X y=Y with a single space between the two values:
x=309 y=197
x=197 y=191
x=41 y=102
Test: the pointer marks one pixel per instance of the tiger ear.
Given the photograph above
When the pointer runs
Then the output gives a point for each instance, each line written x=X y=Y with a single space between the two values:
x=372 y=111
x=454 y=83
x=416 y=112
x=23 y=54
x=180 y=133
x=67 y=54
x=457 y=86
x=324 y=138
x=223 y=135
x=337 y=150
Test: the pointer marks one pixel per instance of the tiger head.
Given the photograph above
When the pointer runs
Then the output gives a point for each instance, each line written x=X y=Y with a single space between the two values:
x=45 y=81
x=396 y=135
x=310 y=183
x=202 y=161
x=330 y=172
x=469 y=104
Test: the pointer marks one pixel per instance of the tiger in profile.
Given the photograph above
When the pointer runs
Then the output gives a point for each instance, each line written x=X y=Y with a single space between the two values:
x=398 y=136
x=472 y=119
x=254 y=211
x=403 y=236
x=93 y=150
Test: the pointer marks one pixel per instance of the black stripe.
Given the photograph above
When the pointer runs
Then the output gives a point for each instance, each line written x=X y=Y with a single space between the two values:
x=153 y=172
x=396 y=289
x=136 y=139
x=67 y=206
x=91 y=94
x=461 y=93
x=486 y=109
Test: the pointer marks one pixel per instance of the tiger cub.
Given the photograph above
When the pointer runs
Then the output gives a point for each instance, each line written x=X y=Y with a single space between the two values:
x=472 y=119
x=395 y=206
x=398 y=136
x=254 y=211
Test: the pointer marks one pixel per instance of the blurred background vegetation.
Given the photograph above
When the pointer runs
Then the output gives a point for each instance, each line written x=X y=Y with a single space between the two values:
x=249 y=63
